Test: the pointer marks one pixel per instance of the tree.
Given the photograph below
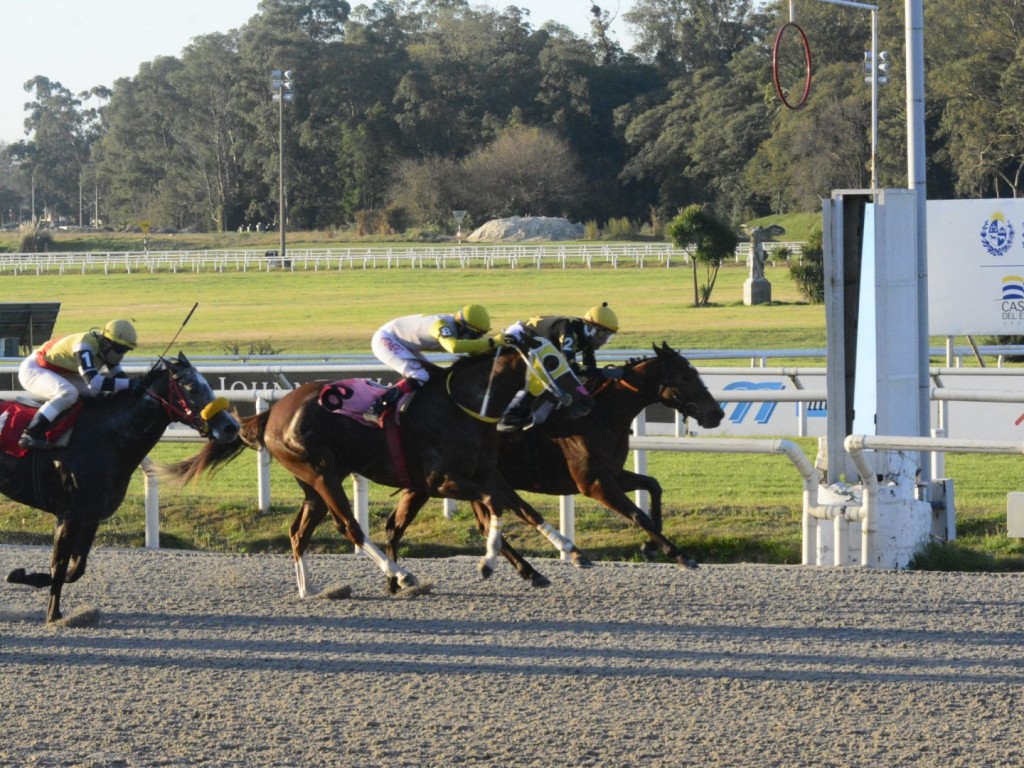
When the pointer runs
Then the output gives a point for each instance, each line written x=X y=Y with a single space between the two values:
x=709 y=240
x=525 y=171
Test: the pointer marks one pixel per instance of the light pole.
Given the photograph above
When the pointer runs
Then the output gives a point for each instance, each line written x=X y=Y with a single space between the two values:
x=281 y=87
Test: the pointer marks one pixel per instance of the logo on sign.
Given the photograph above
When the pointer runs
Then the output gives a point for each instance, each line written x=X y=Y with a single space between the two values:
x=1013 y=299
x=997 y=235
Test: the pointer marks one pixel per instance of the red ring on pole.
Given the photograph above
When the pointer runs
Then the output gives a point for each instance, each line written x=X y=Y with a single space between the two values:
x=807 y=61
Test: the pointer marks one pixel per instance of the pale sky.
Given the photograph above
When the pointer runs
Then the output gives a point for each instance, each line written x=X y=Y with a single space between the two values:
x=84 y=43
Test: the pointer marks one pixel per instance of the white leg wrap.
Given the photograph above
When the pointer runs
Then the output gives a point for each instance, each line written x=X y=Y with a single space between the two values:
x=385 y=563
x=557 y=540
x=300 y=576
x=493 y=540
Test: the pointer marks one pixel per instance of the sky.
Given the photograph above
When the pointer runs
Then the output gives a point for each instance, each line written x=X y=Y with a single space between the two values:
x=85 y=43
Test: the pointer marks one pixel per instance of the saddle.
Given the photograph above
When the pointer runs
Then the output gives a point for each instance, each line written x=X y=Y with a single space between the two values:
x=352 y=397
x=15 y=416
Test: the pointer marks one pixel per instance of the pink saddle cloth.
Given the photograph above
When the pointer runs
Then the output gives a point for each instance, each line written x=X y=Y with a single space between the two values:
x=353 y=397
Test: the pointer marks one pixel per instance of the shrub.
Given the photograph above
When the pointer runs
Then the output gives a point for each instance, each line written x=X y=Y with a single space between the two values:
x=34 y=239
x=809 y=271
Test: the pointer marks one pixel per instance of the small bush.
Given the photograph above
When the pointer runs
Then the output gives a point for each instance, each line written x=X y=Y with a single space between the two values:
x=34 y=239
x=809 y=272
x=591 y=230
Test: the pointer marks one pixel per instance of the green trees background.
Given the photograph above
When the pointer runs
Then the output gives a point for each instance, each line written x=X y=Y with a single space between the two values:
x=408 y=109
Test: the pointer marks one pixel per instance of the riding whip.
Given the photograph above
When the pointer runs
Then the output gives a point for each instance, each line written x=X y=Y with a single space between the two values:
x=183 y=324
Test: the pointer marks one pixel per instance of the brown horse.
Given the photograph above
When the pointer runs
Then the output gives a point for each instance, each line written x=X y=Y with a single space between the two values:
x=448 y=443
x=84 y=482
x=588 y=455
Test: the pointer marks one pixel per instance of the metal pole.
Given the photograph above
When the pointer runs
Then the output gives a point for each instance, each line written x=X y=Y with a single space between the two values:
x=874 y=99
x=280 y=168
x=916 y=179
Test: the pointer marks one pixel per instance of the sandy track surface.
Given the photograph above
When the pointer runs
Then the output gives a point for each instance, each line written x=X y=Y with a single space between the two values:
x=212 y=660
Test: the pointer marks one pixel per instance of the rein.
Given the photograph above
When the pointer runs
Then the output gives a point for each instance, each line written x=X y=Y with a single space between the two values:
x=176 y=405
x=464 y=409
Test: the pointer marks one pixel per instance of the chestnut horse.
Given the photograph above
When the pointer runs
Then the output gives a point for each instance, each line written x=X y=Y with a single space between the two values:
x=588 y=455
x=449 y=445
x=85 y=481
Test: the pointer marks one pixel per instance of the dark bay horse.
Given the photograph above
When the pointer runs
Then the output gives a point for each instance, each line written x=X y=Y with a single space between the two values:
x=588 y=455
x=85 y=482
x=449 y=447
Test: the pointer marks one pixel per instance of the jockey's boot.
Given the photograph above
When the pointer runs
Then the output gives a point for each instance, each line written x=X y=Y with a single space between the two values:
x=518 y=415
x=34 y=435
x=386 y=400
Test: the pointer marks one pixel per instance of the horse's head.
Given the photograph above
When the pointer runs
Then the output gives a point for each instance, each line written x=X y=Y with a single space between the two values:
x=189 y=399
x=681 y=387
x=549 y=372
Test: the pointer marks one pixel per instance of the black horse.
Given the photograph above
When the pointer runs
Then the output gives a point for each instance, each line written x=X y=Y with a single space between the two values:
x=588 y=455
x=84 y=482
x=447 y=438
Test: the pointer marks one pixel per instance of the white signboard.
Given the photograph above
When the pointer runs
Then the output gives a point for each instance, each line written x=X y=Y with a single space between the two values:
x=976 y=267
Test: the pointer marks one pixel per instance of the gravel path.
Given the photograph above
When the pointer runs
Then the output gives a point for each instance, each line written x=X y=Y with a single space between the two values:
x=212 y=660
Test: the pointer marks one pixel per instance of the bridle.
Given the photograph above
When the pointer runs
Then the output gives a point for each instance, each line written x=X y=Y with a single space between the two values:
x=663 y=391
x=177 y=404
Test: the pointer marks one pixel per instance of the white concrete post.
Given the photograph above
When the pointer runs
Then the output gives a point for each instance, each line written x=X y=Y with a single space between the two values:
x=152 y=507
x=567 y=519
x=640 y=461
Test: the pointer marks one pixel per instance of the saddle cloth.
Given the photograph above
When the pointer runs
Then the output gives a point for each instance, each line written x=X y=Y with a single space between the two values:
x=352 y=398
x=15 y=416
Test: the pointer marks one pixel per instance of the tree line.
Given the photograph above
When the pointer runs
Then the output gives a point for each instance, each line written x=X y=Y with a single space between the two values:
x=406 y=110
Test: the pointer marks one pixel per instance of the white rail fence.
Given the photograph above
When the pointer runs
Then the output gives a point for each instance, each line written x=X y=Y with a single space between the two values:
x=641 y=442
x=563 y=256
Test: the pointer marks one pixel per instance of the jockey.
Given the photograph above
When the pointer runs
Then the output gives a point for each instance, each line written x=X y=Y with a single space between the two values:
x=400 y=345
x=571 y=336
x=69 y=366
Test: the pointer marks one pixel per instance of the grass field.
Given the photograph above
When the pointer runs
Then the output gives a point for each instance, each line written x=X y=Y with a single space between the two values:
x=720 y=508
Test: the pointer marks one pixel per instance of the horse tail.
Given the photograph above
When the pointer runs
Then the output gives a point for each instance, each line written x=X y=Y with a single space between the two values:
x=253 y=428
x=213 y=455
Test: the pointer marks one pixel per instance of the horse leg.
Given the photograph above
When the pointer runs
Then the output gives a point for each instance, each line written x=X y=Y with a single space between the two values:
x=532 y=517
x=401 y=517
x=520 y=563
x=330 y=490
x=310 y=515
x=631 y=481
x=612 y=496
x=63 y=542
x=80 y=550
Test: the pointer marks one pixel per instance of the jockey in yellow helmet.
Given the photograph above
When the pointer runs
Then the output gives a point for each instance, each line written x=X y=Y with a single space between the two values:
x=401 y=343
x=67 y=367
x=572 y=336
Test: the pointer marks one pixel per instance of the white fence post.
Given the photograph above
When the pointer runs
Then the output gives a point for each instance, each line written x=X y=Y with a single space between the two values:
x=152 y=506
x=360 y=494
x=263 y=467
x=640 y=461
x=567 y=519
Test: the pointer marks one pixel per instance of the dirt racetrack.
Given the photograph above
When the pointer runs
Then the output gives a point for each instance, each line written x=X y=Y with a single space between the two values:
x=212 y=660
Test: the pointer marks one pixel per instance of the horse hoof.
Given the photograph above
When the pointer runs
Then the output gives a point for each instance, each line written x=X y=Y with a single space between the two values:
x=485 y=570
x=649 y=551
x=393 y=585
x=581 y=561
x=540 y=580
x=688 y=563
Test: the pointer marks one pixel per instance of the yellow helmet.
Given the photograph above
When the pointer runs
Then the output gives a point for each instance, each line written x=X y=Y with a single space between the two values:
x=602 y=316
x=120 y=332
x=474 y=317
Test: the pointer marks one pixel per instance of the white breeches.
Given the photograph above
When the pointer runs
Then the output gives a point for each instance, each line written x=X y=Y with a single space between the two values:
x=398 y=357
x=59 y=392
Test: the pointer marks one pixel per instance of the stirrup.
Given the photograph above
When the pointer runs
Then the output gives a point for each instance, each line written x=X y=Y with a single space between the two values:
x=29 y=442
x=371 y=415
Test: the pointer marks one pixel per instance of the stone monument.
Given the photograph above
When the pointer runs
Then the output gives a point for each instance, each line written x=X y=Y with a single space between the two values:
x=756 y=288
